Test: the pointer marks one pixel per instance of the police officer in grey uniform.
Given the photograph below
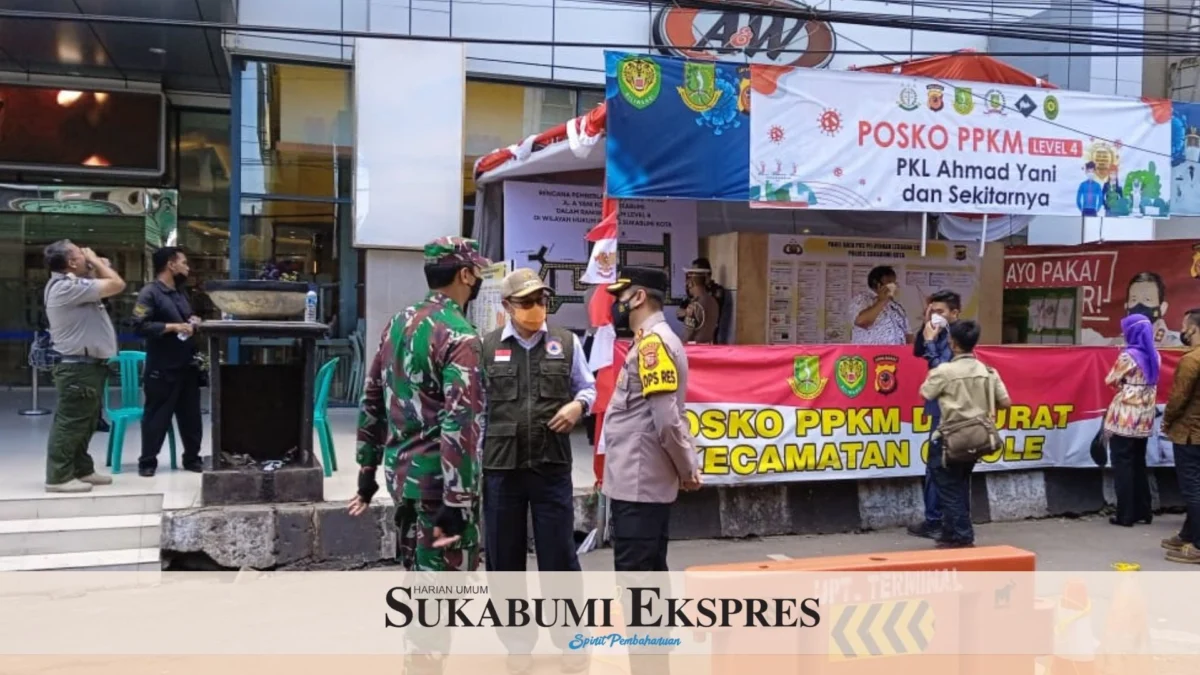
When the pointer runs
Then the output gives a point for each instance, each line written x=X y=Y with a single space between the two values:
x=649 y=452
x=83 y=334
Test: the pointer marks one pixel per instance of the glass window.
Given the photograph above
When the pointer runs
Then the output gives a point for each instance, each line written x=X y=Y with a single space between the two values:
x=203 y=164
x=300 y=238
x=296 y=130
x=589 y=99
x=547 y=108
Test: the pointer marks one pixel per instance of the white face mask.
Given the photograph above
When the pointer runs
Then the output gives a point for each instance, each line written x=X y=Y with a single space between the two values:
x=938 y=321
x=1192 y=152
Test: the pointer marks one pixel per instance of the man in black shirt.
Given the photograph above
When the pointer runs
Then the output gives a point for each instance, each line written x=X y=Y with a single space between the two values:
x=163 y=316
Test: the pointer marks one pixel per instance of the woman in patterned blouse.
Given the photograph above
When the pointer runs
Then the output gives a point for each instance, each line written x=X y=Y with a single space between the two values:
x=1129 y=422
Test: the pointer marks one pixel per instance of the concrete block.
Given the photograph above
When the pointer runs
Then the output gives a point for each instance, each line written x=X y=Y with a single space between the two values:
x=289 y=484
x=759 y=510
x=236 y=538
x=890 y=502
x=1015 y=495
x=341 y=536
x=294 y=527
x=1073 y=492
x=697 y=515
x=824 y=507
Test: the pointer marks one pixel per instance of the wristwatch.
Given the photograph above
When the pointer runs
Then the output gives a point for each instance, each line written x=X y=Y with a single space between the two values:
x=584 y=404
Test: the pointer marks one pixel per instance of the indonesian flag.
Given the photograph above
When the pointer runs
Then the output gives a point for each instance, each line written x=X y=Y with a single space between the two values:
x=602 y=271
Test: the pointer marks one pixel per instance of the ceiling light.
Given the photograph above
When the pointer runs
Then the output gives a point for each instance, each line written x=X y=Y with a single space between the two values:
x=157 y=50
x=100 y=96
x=66 y=97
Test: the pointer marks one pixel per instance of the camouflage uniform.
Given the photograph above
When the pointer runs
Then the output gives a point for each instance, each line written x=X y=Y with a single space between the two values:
x=420 y=417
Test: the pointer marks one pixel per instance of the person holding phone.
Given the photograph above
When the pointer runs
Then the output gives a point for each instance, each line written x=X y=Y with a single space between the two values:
x=879 y=319
x=932 y=343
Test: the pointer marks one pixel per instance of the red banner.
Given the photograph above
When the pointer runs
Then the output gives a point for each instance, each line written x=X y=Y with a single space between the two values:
x=827 y=412
x=1115 y=278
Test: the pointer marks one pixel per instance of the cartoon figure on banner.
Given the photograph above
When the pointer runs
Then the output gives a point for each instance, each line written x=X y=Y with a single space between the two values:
x=1144 y=193
x=1090 y=193
x=1185 y=173
x=1113 y=195
x=1146 y=294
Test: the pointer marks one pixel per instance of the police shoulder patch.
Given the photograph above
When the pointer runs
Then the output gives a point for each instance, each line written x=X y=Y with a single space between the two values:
x=656 y=368
x=140 y=310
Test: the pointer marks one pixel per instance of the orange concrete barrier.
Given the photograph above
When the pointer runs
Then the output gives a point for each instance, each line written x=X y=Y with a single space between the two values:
x=870 y=625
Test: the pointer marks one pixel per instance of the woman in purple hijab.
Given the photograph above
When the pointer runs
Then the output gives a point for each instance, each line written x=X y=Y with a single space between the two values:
x=1129 y=422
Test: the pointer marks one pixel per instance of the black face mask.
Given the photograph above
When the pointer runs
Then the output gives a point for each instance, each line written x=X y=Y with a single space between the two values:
x=475 y=288
x=620 y=315
x=1186 y=339
x=1147 y=311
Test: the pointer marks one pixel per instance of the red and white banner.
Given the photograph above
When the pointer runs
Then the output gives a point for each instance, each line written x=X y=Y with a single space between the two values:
x=780 y=414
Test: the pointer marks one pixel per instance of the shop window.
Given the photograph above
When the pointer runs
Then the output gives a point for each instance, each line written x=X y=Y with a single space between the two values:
x=589 y=99
x=547 y=108
x=296 y=127
x=203 y=164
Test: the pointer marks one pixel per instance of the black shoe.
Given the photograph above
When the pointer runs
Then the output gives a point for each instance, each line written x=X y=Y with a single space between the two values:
x=103 y=426
x=146 y=471
x=946 y=543
x=196 y=466
x=1113 y=521
x=1147 y=520
x=925 y=530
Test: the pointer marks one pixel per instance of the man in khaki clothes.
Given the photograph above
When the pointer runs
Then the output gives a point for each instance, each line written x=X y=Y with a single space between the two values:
x=649 y=453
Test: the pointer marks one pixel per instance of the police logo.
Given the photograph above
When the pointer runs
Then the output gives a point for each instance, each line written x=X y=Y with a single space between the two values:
x=908 y=99
x=935 y=97
x=554 y=348
x=649 y=353
x=885 y=374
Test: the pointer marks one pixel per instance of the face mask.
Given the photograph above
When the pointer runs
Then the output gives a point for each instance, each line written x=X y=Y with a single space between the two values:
x=180 y=280
x=475 y=288
x=530 y=319
x=1147 y=311
x=620 y=315
x=1187 y=338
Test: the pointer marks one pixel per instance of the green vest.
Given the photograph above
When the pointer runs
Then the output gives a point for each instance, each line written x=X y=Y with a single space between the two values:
x=523 y=394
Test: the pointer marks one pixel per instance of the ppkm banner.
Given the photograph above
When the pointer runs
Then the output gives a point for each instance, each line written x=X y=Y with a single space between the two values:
x=785 y=414
x=860 y=141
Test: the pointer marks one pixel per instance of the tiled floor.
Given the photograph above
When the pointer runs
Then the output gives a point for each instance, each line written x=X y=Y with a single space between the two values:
x=23 y=458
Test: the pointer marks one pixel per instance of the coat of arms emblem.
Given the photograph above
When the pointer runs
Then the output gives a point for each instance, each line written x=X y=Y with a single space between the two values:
x=806 y=381
x=851 y=375
x=885 y=374
x=699 y=91
x=640 y=81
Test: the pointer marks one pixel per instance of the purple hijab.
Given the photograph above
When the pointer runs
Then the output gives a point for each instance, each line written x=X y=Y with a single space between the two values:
x=1139 y=342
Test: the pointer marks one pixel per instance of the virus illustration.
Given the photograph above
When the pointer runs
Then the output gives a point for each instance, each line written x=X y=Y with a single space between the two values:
x=725 y=114
x=838 y=172
x=862 y=181
x=775 y=133
x=830 y=122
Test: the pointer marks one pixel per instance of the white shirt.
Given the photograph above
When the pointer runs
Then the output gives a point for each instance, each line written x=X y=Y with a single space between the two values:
x=583 y=383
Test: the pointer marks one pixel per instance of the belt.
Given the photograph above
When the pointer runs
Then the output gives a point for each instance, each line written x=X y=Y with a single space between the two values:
x=81 y=359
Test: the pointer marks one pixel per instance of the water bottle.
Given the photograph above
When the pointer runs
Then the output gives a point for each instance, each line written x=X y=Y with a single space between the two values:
x=310 y=306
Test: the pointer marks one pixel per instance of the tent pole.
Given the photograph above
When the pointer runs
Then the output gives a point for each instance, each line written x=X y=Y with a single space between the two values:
x=983 y=236
x=924 y=232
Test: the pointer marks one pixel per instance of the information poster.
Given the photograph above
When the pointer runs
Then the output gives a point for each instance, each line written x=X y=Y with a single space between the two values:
x=486 y=312
x=812 y=282
x=546 y=226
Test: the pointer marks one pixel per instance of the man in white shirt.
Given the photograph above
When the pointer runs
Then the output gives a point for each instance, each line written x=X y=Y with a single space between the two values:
x=878 y=318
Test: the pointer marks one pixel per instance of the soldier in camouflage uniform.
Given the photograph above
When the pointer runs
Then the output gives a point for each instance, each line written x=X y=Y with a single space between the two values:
x=420 y=416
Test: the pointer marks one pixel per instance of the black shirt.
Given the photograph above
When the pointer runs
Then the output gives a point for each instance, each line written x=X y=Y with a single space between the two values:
x=158 y=305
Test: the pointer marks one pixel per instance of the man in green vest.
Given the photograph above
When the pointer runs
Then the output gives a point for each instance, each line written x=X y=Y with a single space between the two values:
x=538 y=387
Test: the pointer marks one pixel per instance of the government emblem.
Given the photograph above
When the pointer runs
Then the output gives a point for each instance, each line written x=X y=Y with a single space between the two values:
x=885 y=374
x=851 y=375
x=806 y=381
x=964 y=102
x=639 y=80
x=908 y=99
x=935 y=97
x=699 y=90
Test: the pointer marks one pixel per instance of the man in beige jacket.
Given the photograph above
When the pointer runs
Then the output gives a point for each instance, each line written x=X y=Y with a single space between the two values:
x=649 y=452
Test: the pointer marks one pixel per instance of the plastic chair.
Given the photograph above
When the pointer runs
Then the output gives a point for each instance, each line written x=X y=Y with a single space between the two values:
x=130 y=365
x=320 y=419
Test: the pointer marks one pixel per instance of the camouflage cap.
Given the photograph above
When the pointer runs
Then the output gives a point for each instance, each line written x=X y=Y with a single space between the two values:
x=522 y=282
x=447 y=251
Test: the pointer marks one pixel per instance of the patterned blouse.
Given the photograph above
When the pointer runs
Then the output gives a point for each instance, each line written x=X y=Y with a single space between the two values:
x=890 y=328
x=1135 y=405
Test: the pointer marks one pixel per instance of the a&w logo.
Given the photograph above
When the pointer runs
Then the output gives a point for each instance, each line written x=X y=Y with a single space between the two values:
x=772 y=40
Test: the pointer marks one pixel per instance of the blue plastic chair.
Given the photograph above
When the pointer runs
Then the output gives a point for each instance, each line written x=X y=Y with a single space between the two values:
x=321 y=419
x=130 y=365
